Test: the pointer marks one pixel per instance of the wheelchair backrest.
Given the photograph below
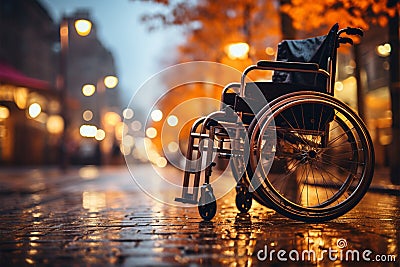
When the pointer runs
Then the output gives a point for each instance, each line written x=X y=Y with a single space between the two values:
x=320 y=50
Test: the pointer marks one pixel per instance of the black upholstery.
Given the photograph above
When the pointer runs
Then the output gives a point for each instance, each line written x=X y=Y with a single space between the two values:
x=312 y=50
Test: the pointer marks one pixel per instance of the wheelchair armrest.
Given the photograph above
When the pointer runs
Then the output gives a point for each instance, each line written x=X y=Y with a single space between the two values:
x=287 y=65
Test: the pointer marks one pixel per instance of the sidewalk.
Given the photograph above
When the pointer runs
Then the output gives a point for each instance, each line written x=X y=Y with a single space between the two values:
x=381 y=182
x=99 y=217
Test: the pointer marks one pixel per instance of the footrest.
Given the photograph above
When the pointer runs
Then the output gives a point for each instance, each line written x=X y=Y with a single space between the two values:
x=186 y=200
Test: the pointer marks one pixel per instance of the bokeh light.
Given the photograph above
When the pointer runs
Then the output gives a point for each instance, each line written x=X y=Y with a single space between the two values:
x=156 y=115
x=172 y=120
x=34 y=110
x=83 y=27
x=100 y=135
x=136 y=126
x=88 y=89
x=55 y=124
x=88 y=130
x=173 y=147
x=128 y=113
x=110 y=81
x=238 y=50
x=87 y=115
x=151 y=132
x=4 y=112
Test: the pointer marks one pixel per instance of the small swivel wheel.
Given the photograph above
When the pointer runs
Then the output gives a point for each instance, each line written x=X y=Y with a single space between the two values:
x=207 y=203
x=243 y=198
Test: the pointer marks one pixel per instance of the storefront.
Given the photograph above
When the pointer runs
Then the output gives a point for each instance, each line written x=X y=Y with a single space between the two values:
x=30 y=121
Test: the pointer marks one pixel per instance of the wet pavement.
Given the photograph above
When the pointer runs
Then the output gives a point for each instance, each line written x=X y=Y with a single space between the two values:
x=100 y=217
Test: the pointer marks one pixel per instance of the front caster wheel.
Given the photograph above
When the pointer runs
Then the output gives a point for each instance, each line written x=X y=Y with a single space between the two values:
x=243 y=199
x=207 y=204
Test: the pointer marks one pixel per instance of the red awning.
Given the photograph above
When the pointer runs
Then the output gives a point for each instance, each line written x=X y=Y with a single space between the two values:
x=10 y=75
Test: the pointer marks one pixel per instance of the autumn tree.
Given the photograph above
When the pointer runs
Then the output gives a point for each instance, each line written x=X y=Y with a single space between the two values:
x=210 y=27
x=310 y=15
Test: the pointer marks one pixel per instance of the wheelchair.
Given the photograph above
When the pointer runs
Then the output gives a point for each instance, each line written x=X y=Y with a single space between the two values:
x=291 y=145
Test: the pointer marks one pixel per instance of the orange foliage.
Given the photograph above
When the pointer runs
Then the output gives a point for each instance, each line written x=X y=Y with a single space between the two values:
x=310 y=14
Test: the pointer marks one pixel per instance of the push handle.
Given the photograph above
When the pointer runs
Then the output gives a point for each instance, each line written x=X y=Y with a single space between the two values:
x=351 y=31
x=354 y=31
x=346 y=40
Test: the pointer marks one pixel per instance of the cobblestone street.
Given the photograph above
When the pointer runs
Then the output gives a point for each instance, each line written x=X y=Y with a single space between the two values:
x=100 y=217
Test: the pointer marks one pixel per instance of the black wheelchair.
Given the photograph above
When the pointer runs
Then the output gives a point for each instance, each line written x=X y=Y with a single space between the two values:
x=291 y=145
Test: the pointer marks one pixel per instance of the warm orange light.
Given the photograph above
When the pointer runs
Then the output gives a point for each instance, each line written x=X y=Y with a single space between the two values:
x=120 y=130
x=4 y=112
x=93 y=201
x=21 y=97
x=238 y=50
x=384 y=50
x=270 y=51
x=111 y=118
x=64 y=30
x=55 y=124
x=83 y=27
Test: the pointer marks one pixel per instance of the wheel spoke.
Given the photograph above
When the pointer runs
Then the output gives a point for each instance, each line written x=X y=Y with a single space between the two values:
x=321 y=159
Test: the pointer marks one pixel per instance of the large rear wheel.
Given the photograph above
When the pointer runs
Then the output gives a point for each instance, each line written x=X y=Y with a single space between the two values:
x=321 y=163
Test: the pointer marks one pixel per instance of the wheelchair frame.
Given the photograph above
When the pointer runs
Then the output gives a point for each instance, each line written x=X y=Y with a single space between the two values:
x=294 y=143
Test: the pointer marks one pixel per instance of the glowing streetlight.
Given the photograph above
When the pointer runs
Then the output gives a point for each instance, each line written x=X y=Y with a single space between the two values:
x=237 y=50
x=384 y=50
x=34 y=110
x=110 y=81
x=83 y=27
x=4 y=112
x=88 y=130
x=55 y=124
x=88 y=89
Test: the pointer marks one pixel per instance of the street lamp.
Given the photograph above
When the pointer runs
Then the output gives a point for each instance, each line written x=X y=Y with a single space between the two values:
x=105 y=116
x=110 y=81
x=83 y=28
x=237 y=50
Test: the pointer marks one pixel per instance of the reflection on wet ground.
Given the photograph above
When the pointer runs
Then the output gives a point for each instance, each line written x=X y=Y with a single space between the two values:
x=106 y=220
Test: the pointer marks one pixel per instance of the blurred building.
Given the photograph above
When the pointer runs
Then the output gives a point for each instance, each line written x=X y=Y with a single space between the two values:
x=30 y=121
x=88 y=66
x=33 y=104
x=375 y=52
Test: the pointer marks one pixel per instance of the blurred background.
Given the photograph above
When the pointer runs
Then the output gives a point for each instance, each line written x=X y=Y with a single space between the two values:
x=69 y=68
